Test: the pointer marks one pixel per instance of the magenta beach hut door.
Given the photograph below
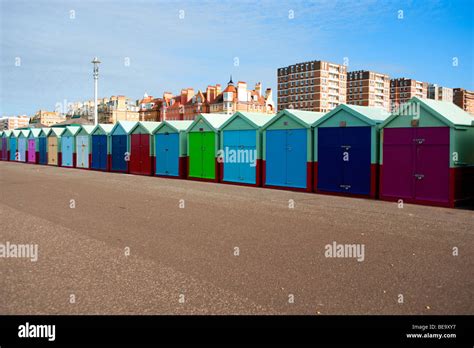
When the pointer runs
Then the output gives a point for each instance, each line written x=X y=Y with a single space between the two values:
x=417 y=165
x=31 y=150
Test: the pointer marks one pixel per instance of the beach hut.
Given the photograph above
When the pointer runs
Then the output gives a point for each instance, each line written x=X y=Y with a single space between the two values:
x=100 y=147
x=68 y=146
x=120 y=149
x=43 y=145
x=346 y=156
x=22 y=144
x=142 y=149
x=33 y=148
x=241 y=148
x=427 y=154
x=6 y=145
x=83 y=146
x=203 y=144
x=14 y=145
x=54 y=146
x=288 y=150
x=170 y=148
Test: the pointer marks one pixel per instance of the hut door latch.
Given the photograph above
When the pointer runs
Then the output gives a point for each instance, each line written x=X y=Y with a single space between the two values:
x=346 y=187
x=419 y=141
x=419 y=176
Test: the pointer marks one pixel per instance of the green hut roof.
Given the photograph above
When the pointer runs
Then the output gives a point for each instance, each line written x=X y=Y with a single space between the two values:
x=7 y=133
x=177 y=125
x=25 y=132
x=127 y=126
x=106 y=128
x=73 y=130
x=305 y=118
x=447 y=112
x=214 y=120
x=57 y=131
x=45 y=131
x=88 y=128
x=148 y=126
x=15 y=133
x=35 y=132
x=257 y=119
x=369 y=115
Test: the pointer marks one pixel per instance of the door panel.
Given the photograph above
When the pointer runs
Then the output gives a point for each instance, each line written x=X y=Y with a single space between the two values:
x=208 y=155
x=13 y=149
x=172 y=159
x=356 y=168
x=432 y=164
x=67 y=150
x=119 y=148
x=296 y=166
x=82 y=151
x=248 y=143
x=31 y=150
x=42 y=150
x=275 y=161
x=135 y=154
x=4 y=148
x=167 y=154
x=99 y=152
x=53 y=151
x=160 y=154
x=330 y=159
x=231 y=146
x=21 y=149
x=195 y=155
x=398 y=163
x=145 y=165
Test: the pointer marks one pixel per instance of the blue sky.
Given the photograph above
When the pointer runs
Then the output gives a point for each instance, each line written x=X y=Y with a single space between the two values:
x=167 y=53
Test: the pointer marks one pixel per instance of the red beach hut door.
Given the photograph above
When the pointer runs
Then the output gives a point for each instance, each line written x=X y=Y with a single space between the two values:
x=140 y=156
x=145 y=163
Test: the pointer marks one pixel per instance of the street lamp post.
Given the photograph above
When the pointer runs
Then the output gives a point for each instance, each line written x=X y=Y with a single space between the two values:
x=96 y=63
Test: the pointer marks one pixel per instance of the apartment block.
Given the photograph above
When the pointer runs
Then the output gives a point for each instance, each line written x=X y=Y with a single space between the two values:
x=403 y=89
x=464 y=99
x=46 y=118
x=313 y=86
x=110 y=110
x=368 y=88
x=440 y=93
x=14 y=122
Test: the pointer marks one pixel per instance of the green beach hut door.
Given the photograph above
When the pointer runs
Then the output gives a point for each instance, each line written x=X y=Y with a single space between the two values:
x=201 y=155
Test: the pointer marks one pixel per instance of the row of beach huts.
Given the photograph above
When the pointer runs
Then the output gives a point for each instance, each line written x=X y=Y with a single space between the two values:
x=422 y=154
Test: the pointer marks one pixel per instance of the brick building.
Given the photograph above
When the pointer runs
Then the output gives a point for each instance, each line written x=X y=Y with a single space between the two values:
x=240 y=98
x=464 y=99
x=368 y=88
x=402 y=90
x=47 y=118
x=314 y=86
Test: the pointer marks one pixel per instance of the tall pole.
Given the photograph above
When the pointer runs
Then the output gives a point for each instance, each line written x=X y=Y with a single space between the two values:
x=96 y=63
